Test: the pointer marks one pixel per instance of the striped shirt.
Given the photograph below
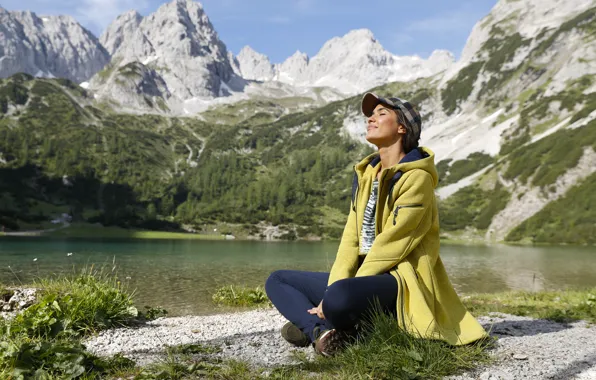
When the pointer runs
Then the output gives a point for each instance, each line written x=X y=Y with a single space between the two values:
x=369 y=224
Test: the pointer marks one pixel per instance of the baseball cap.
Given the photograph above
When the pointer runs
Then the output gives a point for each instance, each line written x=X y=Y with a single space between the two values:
x=371 y=100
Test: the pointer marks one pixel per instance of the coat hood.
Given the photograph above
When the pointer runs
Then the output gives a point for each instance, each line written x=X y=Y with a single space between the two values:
x=419 y=158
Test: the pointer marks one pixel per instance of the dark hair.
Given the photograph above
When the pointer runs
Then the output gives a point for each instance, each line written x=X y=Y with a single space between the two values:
x=410 y=140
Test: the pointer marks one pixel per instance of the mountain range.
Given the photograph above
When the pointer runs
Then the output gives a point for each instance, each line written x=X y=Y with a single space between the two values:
x=511 y=122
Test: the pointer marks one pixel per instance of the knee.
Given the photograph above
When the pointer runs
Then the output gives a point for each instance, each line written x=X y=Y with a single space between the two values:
x=337 y=299
x=274 y=279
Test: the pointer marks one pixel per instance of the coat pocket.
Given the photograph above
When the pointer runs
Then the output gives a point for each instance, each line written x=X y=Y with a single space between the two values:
x=399 y=207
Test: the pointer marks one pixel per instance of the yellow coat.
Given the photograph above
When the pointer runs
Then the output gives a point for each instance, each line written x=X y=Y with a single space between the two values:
x=407 y=246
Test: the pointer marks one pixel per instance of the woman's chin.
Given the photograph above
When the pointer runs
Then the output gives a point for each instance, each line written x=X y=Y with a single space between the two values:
x=372 y=139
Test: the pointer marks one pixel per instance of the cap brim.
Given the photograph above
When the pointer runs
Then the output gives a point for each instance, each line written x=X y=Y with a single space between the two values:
x=369 y=102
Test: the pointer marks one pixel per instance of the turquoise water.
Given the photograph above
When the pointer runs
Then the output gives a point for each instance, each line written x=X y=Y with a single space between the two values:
x=181 y=275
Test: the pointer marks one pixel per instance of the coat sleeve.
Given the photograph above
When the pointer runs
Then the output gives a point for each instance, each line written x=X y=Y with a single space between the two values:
x=411 y=224
x=346 y=261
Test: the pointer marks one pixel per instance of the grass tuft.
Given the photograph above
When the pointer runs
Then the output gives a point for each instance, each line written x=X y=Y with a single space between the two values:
x=387 y=352
x=241 y=296
x=44 y=341
x=558 y=306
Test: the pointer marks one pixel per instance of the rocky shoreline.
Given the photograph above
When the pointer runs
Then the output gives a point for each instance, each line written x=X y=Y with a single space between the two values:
x=525 y=348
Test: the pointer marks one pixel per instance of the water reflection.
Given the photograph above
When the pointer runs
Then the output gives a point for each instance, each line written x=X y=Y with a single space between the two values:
x=182 y=275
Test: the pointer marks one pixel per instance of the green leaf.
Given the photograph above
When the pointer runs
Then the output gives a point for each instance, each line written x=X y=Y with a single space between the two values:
x=415 y=355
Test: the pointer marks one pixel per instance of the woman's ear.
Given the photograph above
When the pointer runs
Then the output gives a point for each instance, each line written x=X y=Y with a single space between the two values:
x=401 y=129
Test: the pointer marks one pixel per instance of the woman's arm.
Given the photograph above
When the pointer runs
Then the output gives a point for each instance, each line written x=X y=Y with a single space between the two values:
x=346 y=261
x=405 y=230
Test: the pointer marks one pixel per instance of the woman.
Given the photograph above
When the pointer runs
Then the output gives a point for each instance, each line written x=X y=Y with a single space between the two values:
x=389 y=251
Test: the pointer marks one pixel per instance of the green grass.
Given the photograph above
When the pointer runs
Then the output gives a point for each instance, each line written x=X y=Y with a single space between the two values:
x=240 y=296
x=558 y=306
x=44 y=341
x=89 y=231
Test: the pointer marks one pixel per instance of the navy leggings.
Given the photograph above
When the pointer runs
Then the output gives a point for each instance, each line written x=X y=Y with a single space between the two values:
x=345 y=303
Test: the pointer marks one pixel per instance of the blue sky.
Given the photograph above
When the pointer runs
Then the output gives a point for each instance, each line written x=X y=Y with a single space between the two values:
x=278 y=28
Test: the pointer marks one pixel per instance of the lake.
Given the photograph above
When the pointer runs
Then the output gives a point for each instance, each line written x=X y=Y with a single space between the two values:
x=181 y=275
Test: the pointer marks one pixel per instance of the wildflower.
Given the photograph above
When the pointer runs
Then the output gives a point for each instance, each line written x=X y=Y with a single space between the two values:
x=35 y=259
x=128 y=277
x=69 y=254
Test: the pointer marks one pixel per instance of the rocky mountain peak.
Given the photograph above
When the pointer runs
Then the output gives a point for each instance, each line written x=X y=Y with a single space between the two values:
x=254 y=65
x=123 y=27
x=179 y=42
x=50 y=46
x=529 y=18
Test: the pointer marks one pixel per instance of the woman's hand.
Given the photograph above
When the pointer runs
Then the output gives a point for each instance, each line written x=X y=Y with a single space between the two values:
x=318 y=311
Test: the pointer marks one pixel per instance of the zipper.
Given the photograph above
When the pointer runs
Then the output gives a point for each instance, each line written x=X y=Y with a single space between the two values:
x=400 y=300
x=416 y=205
x=378 y=210
x=356 y=201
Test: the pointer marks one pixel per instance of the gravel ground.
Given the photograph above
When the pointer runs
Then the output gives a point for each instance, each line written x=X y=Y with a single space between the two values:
x=526 y=348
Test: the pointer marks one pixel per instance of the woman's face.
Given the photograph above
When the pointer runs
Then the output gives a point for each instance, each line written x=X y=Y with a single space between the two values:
x=383 y=128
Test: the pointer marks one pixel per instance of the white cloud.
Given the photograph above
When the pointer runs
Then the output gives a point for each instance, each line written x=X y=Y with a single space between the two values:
x=101 y=13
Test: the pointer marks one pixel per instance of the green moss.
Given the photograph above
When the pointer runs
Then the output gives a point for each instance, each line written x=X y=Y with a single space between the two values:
x=570 y=219
x=460 y=88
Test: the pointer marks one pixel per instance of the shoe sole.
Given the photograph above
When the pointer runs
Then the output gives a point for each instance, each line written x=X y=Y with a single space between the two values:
x=329 y=334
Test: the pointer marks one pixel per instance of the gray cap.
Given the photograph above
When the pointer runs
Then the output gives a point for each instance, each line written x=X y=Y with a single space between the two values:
x=370 y=101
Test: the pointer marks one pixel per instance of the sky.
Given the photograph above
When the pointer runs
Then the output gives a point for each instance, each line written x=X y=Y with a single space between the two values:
x=278 y=28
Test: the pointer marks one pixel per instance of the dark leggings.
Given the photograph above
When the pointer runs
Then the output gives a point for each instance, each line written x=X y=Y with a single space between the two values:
x=345 y=303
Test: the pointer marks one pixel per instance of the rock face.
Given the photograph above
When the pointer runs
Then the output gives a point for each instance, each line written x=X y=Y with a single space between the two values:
x=48 y=46
x=120 y=30
x=255 y=66
x=529 y=18
x=180 y=44
x=136 y=86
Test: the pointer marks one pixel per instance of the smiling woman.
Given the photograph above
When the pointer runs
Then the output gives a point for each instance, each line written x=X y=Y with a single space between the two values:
x=389 y=252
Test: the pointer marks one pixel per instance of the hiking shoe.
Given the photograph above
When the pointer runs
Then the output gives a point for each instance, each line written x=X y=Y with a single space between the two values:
x=294 y=335
x=329 y=342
